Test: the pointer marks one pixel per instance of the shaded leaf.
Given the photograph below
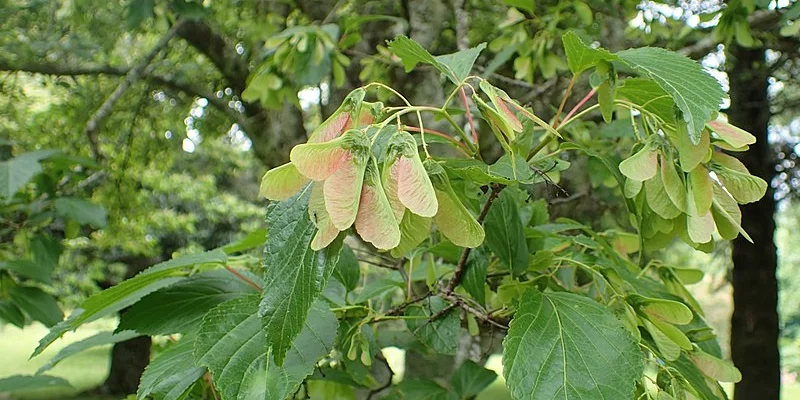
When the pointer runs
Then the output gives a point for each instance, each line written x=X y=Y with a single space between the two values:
x=440 y=334
x=40 y=306
x=100 y=339
x=20 y=383
x=470 y=379
x=171 y=374
x=81 y=211
x=505 y=233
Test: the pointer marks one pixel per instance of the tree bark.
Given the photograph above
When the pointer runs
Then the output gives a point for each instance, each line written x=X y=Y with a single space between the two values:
x=754 y=326
x=128 y=360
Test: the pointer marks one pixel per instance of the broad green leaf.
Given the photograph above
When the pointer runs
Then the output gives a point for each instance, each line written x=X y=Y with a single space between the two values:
x=696 y=93
x=16 y=172
x=408 y=177
x=658 y=199
x=181 y=307
x=551 y=340
x=470 y=379
x=505 y=235
x=441 y=334
x=347 y=270
x=295 y=274
x=10 y=313
x=413 y=231
x=81 y=211
x=701 y=189
x=505 y=170
x=666 y=310
x=30 y=269
x=475 y=275
x=648 y=95
x=641 y=166
x=326 y=232
x=100 y=339
x=673 y=183
x=21 y=383
x=715 y=368
x=232 y=343
x=40 y=306
x=455 y=66
x=130 y=291
x=423 y=389
x=696 y=379
x=377 y=288
x=375 y=221
x=673 y=333
x=733 y=135
x=139 y=11
x=171 y=374
x=524 y=5
x=727 y=215
x=46 y=251
x=460 y=64
x=251 y=240
x=280 y=183
x=580 y=56
x=453 y=218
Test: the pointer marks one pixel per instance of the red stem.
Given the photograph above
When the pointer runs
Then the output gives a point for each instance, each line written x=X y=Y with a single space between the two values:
x=243 y=278
x=577 y=106
x=461 y=146
x=469 y=115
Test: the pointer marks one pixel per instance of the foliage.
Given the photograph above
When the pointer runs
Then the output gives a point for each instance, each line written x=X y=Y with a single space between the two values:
x=585 y=313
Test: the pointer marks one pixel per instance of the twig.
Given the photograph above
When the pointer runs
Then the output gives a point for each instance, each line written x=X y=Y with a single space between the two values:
x=99 y=117
x=578 y=106
x=469 y=115
x=472 y=310
x=567 y=91
x=243 y=278
x=399 y=309
x=388 y=383
x=458 y=275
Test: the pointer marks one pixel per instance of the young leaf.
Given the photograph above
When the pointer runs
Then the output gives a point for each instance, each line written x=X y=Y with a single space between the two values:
x=648 y=95
x=326 y=231
x=460 y=63
x=673 y=333
x=181 y=307
x=641 y=166
x=470 y=379
x=295 y=274
x=605 y=97
x=441 y=334
x=581 y=57
x=727 y=215
x=171 y=374
x=375 y=221
x=280 y=183
x=550 y=340
x=696 y=93
x=407 y=176
x=658 y=200
x=232 y=343
x=690 y=154
x=701 y=189
x=81 y=211
x=455 y=66
x=505 y=233
x=453 y=218
x=413 y=231
x=673 y=183
x=342 y=190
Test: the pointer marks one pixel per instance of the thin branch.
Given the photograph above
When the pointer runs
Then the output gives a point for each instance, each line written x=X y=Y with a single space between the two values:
x=99 y=117
x=453 y=299
x=243 y=278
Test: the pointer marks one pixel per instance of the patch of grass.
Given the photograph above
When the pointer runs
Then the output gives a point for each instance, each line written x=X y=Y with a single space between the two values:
x=84 y=370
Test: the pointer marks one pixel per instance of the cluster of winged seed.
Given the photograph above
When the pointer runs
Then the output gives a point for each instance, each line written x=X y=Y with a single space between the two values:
x=391 y=205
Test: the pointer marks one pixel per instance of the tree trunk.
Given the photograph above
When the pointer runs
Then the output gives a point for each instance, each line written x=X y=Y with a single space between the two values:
x=754 y=326
x=128 y=360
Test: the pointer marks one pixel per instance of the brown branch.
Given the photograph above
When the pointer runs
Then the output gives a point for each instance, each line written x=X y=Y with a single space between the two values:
x=455 y=300
x=133 y=75
x=458 y=275
x=243 y=278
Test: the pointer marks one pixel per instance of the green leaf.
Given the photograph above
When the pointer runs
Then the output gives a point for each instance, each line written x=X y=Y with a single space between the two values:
x=30 y=269
x=460 y=63
x=715 y=368
x=744 y=188
x=453 y=219
x=181 y=307
x=470 y=379
x=648 y=95
x=17 y=171
x=455 y=66
x=45 y=251
x=605 y=97
x=424 y=389
x=40 y=306
x=377 y=288
x=727 y=215
x=502 y=171
x=347 y=269
x=100 y=339
x=658 y=199
x=10 y=313
x=505 y=235
x=440 y=334
x=525 y=5
x=252 y=240
x=669 y=350
x=475 y=275
x=673 y=183
x=232 y=343
x=81 y=211
x=581 y=57
x=696 y=93
x=563 y=345
x=139 y=11
x=171 y=374
x=691 y=155
x=130 y=291
x=20 y=383
x=295 y=275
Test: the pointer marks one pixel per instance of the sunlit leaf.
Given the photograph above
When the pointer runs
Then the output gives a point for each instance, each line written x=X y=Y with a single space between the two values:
x=405 y=170
x=375 y=222
x=733 y=135
x=326 y=231
x=581 y=57
x=453 y=219
x=715 y=368
x=280 y=183
x=641 y=166
x=413 y=231
x=673 y=183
